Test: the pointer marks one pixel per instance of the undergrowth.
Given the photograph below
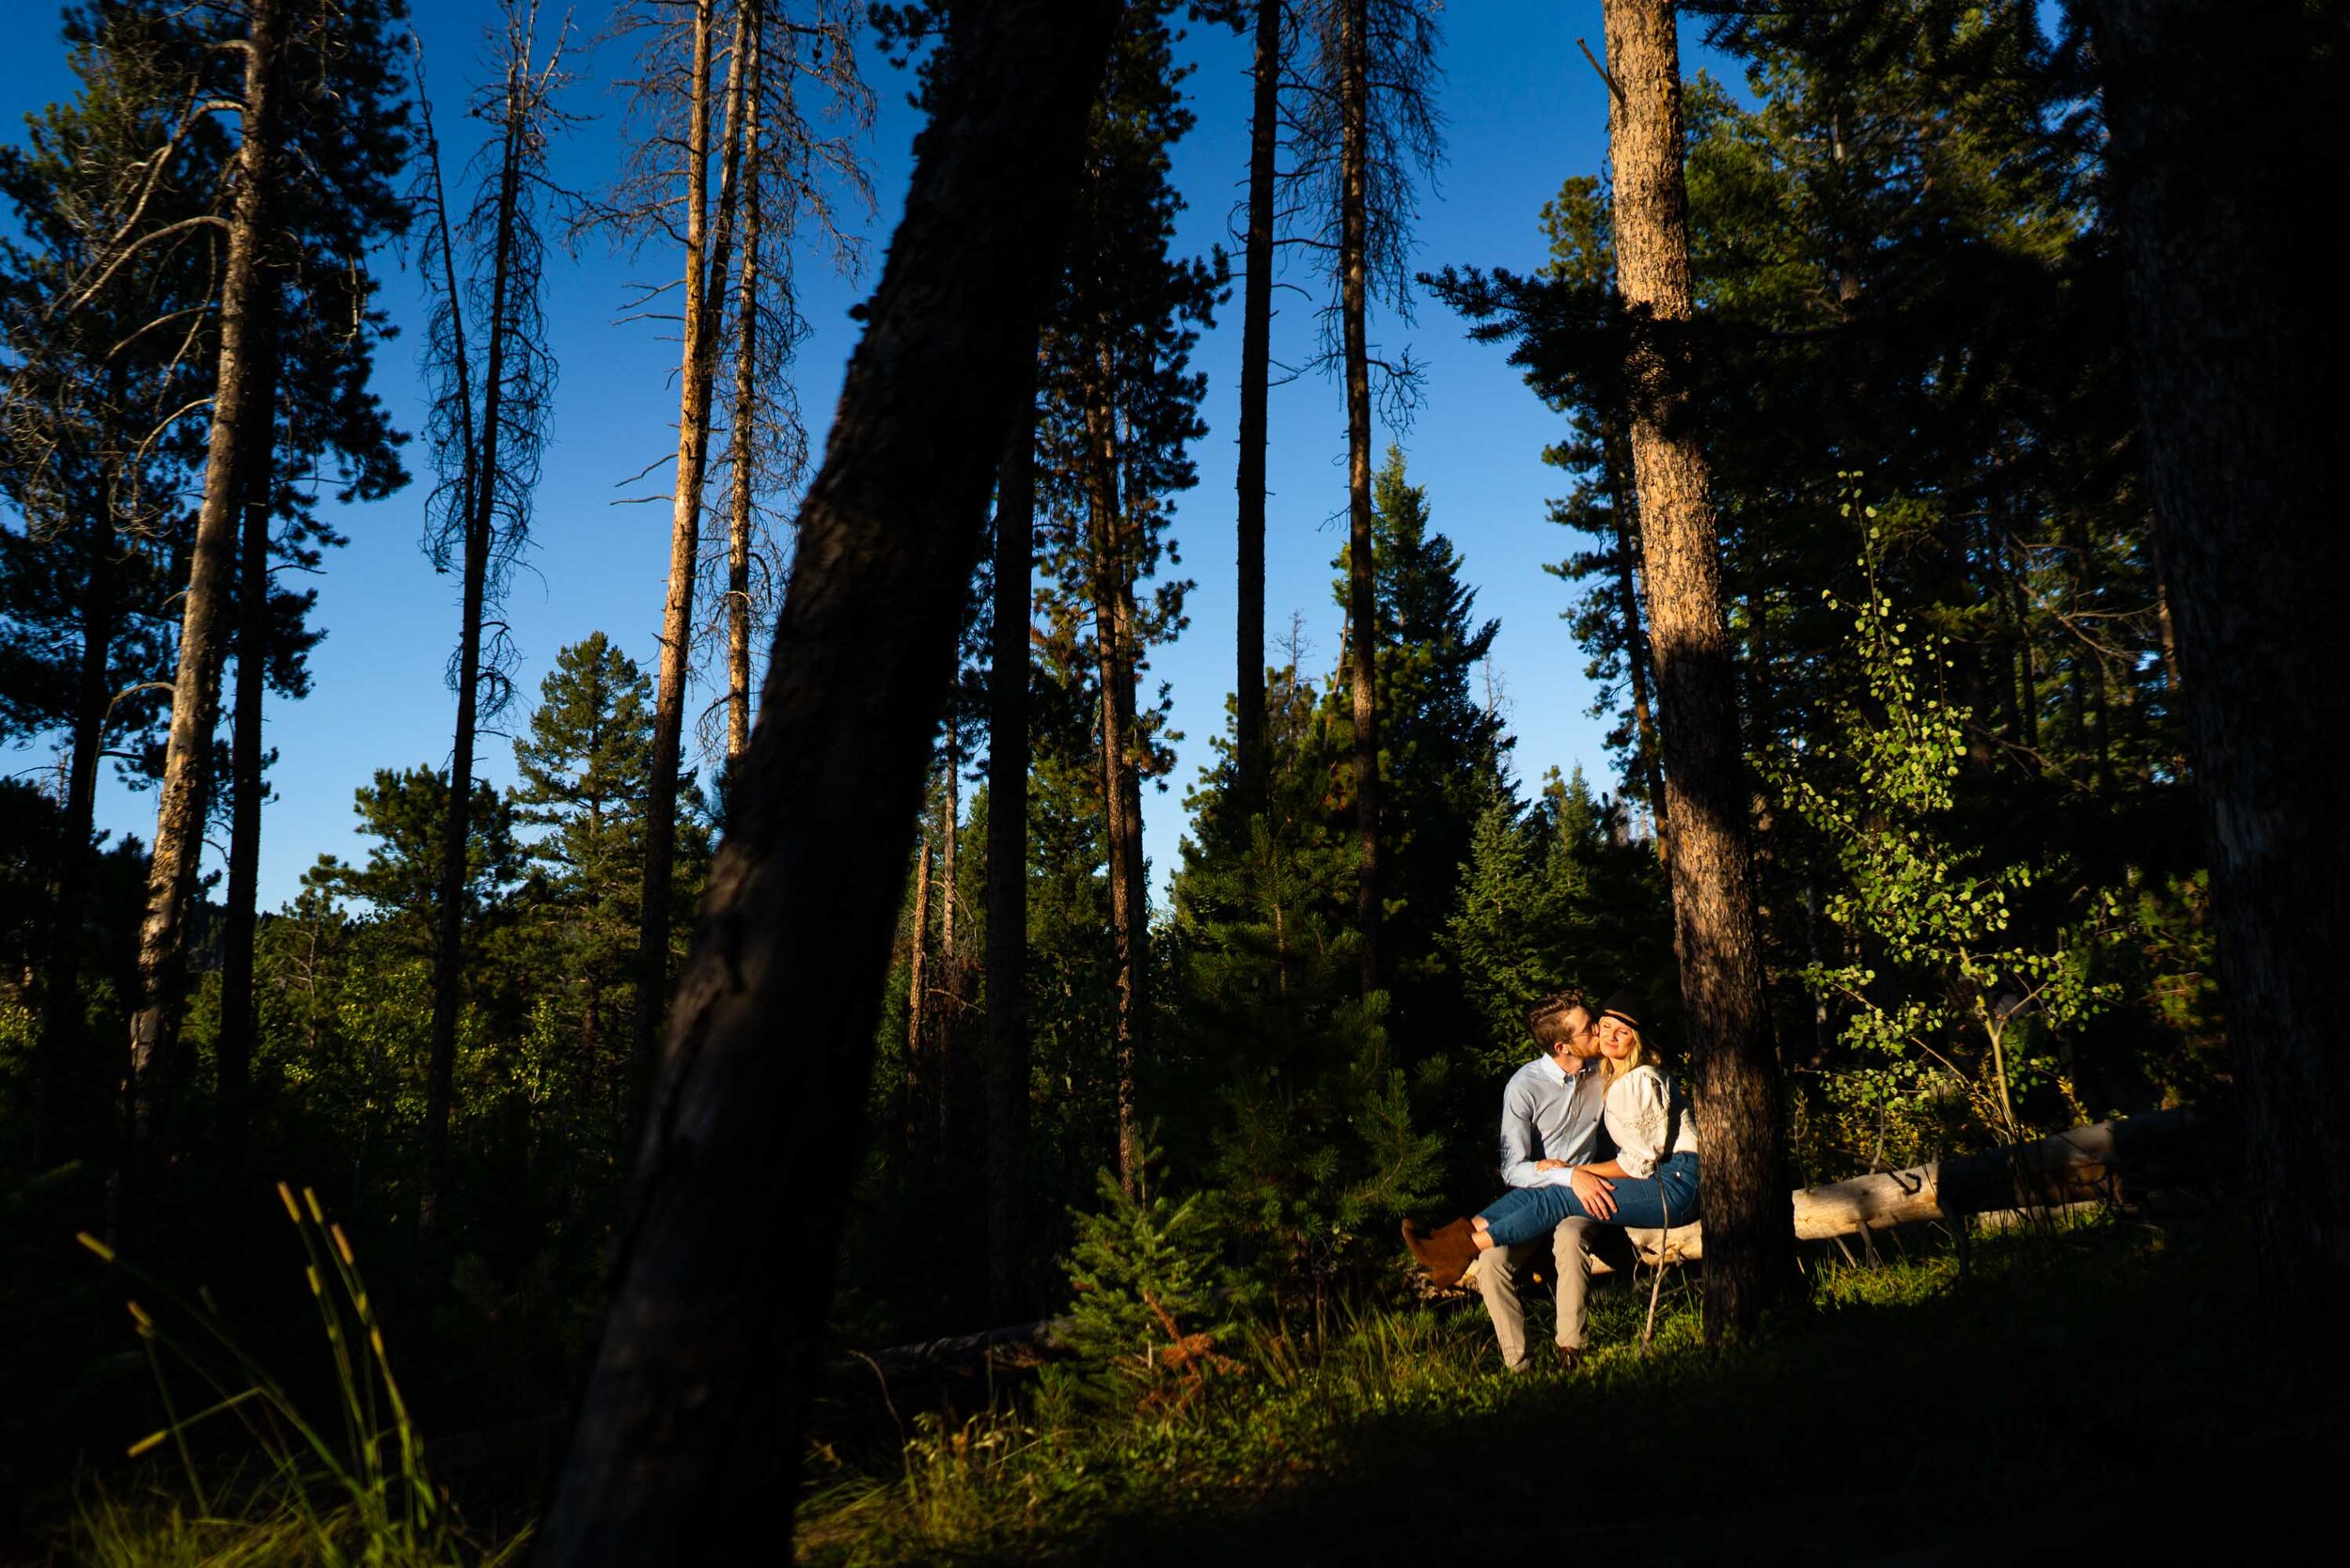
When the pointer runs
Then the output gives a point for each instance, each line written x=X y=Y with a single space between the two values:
x=1916 y=1387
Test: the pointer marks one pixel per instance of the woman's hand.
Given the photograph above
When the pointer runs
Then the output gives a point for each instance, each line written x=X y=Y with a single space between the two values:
x=1596 y=1193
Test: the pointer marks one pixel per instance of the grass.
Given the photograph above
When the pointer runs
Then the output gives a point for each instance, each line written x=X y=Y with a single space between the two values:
x=2105 y=1383
x=297 y=1493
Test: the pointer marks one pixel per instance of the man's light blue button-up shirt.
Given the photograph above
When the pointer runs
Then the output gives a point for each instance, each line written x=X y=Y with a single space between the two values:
x=1548 y=1114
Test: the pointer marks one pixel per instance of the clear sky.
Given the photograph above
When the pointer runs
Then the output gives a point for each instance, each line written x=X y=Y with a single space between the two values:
x=1523 y=112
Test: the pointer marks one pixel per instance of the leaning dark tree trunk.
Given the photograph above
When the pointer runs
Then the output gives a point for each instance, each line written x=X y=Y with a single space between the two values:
x=2222 y=148
x=690 y=1434
x=1750 y=1251
x=1007 y=941
x=203 y=647
x=1256 y=366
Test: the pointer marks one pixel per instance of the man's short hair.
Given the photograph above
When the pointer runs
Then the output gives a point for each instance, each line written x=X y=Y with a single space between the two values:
x=1546 y=1019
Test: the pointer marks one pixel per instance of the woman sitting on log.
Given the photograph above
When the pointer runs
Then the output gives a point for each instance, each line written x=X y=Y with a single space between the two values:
x=1651 y=1184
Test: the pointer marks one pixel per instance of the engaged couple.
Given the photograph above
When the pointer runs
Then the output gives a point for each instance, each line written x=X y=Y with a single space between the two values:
x=1595 y=1078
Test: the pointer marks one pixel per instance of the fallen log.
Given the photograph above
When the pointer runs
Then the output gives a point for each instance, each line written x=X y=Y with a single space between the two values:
x=956 y=1348
x=2086 y=1164
x=2000 y=1187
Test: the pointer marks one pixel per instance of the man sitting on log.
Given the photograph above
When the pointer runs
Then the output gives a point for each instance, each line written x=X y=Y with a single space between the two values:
x=1550 y=1120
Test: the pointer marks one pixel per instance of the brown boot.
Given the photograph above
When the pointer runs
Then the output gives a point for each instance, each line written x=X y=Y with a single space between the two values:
x=1445 y=1252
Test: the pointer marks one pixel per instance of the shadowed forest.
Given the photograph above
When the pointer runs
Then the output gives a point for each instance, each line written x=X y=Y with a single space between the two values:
x=797 y=1119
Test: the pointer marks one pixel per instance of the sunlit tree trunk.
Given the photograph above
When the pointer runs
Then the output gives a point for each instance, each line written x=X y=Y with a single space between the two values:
x=708 y=243
x=180 y=814
x=2223 y=146
x=1706 y=792
x=918 y=1087
x=1362 y=623
x=945 y=1027
x=690 y=1432
x=740 y=522
x=1114 y=644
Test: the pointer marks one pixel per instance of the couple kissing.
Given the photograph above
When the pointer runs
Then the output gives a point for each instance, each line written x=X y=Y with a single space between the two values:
x=1596 y=1077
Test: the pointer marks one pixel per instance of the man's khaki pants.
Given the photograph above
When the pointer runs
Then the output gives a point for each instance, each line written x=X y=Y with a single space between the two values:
x=1500 y=1271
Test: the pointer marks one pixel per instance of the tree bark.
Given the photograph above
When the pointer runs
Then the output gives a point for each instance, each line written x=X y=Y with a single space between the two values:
x=1361 y=573
x=1636 y=652
x=709 y=241
x=180 y=807
x=233 y=1052
x=917 y=1001
x=690 y=1432
x=2222 y=145
x=1109 y=534
x=1706 y=796
x=1256 y=367
x=1007 y=941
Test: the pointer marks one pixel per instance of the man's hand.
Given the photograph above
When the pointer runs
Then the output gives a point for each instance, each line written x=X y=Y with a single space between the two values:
x=1550 y=1165
x=1597 y=1193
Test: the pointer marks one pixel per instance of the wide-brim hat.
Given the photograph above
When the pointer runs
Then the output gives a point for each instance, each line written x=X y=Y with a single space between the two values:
x=1627 y=1006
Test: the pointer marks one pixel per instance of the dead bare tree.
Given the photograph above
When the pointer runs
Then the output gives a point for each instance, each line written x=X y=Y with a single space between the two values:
x=694 y=131
x=1367 y=124
x=804 y=175
x=492 y=387
x=691 y=1426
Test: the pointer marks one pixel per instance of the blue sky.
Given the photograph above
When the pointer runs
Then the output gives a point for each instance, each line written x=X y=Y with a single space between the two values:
x=1524 y=112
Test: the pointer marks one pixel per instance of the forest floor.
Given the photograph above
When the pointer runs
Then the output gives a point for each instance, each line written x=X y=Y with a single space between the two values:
x=2109 y=1385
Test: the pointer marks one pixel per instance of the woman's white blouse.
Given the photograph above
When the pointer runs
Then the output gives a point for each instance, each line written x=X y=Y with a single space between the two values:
x=1643 y=1112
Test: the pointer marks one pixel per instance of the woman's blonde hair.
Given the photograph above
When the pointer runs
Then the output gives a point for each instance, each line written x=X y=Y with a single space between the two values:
x=1609 y=1068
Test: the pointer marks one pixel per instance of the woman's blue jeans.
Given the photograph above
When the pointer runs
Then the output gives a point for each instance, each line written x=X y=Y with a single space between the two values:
x=1647 y=1202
